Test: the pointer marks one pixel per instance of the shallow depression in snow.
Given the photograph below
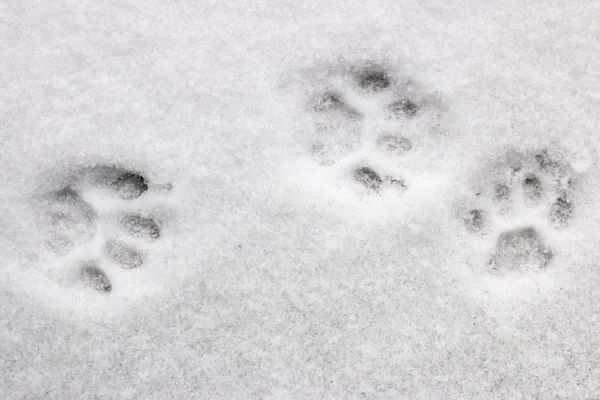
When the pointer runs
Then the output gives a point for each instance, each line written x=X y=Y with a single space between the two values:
x=375 y=200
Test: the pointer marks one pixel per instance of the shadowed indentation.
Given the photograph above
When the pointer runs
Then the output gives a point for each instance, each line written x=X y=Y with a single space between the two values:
x=532 y=187
x=403 y=107
x=124 y=255
x=373 y=79
x=520 y=250
x=394 y=143
x=368 y=177
x=139 y=226
x=129 y=185
x=396 y=182
x=501 y=192
x=474 y=220
x=95 y=277
x=328 y=101
x=561 y=212
x=125 y=183
x=69 y=220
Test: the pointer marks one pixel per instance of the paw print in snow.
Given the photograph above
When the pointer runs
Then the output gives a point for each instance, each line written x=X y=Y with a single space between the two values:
x=69 y=221
x=372 y=181
x=92 y=275
x=97 y=208
x=521 y=248
x=368 y=108
x=516 y=198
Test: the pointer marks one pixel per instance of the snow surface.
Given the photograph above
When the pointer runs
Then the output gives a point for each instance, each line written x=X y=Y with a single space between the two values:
x=277 y=278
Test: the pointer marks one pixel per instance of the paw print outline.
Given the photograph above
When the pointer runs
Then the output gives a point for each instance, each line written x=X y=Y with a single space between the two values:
x=534 y=186
x=97 y=208
x=369 y=108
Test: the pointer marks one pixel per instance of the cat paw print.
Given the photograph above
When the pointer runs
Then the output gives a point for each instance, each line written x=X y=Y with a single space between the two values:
x=102 y=218
x=516 y=199
x=365 y=119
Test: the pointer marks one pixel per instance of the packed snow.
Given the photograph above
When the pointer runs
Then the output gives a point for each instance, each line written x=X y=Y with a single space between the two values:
x=299 y=200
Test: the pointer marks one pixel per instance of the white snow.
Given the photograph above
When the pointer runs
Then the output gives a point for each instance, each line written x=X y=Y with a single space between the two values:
x=276 y=277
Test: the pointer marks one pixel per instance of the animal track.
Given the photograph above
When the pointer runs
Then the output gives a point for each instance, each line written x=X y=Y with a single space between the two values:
x=125 y=184
x=123 y=254
x=520 y=249
x=70 y=220
x=368 y=177
x=373 y=182
x=368 y=107
x=530 y=185
x=141 y=227
x=403 y=107
x=373 y=79
x=92 y=275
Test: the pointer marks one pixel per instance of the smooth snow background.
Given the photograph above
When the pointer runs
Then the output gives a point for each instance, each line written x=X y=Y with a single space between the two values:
x=270 y=283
